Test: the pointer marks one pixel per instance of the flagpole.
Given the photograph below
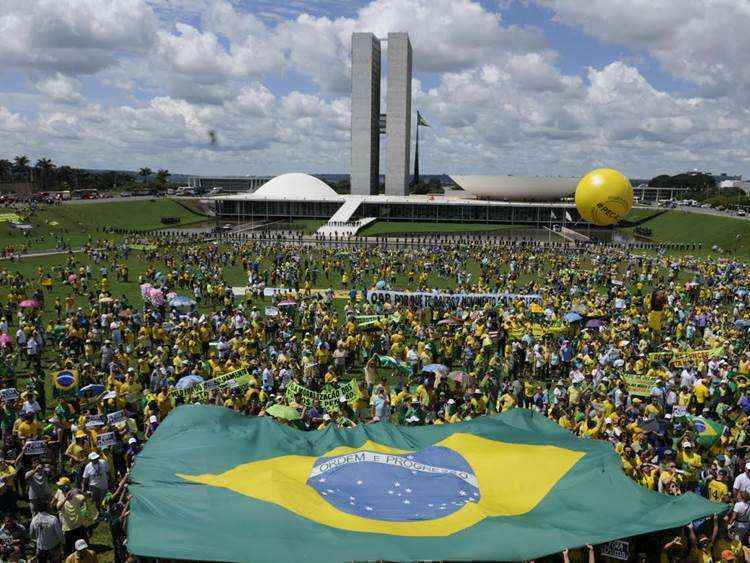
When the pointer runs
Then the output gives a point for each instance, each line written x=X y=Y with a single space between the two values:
x=416 y=155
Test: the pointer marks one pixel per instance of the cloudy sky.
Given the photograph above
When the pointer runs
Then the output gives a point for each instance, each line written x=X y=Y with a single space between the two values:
x=509 y=86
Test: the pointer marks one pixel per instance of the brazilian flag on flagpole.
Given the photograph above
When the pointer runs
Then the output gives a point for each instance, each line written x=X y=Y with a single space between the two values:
x=213 y=484
x=708 y=430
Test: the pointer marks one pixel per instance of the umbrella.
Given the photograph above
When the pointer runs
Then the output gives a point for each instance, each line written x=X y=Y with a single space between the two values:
x=182 y=302
x=93 y=389
x=380 y=285
x=287 y=303
x=72 y=278
x=434 y=368
x=572 y=317
x=5 y=339
x=458 y=376
x=594 y=323
x=284 y=412
x=188 y=381
x=28 y=304
x=742 y=323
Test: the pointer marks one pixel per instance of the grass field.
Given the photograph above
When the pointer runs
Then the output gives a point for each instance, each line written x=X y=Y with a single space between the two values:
x=74 y=223
x=709 y=230
x=408 y=228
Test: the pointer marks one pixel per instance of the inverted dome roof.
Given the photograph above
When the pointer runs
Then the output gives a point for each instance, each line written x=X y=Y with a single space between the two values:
x=517 y=188
x=294 y=185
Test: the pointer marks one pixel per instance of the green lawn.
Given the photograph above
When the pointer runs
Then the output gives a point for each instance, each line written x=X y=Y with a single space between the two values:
x=75 y=222
x=685 y=226
x=409 y=228
x=307 y=226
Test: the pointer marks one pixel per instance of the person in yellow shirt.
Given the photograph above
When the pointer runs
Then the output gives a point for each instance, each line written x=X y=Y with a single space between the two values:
x=701 y=547
x=701 y=393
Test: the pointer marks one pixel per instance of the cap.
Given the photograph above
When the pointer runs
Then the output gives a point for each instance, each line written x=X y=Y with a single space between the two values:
x=63 y=481
x=687 y=444
x=132 y=440
x=80 y=545
x=153 y=419
x=93 y=456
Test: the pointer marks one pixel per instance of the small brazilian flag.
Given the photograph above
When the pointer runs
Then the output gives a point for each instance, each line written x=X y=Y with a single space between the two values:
x=420 y=120
x=708 y=430
x=213 y=484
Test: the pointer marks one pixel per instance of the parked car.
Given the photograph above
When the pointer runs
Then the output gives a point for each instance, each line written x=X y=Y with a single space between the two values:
x=125 y=194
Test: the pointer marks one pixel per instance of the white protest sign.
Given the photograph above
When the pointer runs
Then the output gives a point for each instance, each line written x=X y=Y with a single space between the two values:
x=678 y=411
x=106 y=440
x=618 y=549
x=94 y=420
x=9 y=394
x=34 y=447
x=115 y=417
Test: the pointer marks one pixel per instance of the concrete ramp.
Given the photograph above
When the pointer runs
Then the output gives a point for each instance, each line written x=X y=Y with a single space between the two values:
x=573 y=236
x=341 y=223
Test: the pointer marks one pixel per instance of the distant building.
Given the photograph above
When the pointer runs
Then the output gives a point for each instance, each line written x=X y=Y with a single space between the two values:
x=231 y=184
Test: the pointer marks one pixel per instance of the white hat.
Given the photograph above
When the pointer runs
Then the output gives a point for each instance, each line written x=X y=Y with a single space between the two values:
x=93 y=456
x=608 y=420
x=132 y=440
x=687 y=444
x=80 y=545
x=667 y=416
x=747 y=465
x=153 y=419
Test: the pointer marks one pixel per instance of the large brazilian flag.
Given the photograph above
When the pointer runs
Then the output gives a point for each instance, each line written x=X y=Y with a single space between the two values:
x=213 y=484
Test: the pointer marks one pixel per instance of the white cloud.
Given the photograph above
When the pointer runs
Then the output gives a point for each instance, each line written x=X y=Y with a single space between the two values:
x=74 y=37
x=700 y=41
x=61 y=88
x=10 y=121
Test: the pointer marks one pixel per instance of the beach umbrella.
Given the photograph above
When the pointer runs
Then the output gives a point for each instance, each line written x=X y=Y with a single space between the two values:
x=91 y=389
x=188 y=381
x=284 y=412
x=458 y=376
x=28 y=304
x=572 y=317
x=435 y=368
x=287 y=303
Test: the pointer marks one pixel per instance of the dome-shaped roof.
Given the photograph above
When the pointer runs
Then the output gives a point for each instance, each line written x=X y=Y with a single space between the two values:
x=294 y=185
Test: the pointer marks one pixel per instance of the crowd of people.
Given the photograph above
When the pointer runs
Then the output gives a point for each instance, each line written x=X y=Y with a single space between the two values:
x=647 y=351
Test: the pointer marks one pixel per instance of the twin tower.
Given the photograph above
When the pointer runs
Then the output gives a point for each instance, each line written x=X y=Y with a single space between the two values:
x=368 y=123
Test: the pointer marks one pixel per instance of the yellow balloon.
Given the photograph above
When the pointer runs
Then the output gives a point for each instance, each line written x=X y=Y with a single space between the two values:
x=604 y=196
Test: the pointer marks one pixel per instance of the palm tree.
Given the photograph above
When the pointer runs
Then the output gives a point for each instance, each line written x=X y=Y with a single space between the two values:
x=21 y=166
x=145 y=172
x=45 y=166
x=161 y=178
x=6 y=167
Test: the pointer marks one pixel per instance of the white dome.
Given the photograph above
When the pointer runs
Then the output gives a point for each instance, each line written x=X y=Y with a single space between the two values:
x=295 y=185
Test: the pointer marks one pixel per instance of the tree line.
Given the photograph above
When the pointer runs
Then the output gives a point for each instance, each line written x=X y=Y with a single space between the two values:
x=45 y=175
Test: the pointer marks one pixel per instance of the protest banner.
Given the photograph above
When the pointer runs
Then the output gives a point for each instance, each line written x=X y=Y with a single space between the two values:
x=142 y=246
x=232 y=380
x=458 y=298
x=9 y=394
x=618 y=549
x=639 y=385
x=115 y=417
x=328 y=399
x=106 y=440
x=34 y=447
x=94 y=420
x=686 y=358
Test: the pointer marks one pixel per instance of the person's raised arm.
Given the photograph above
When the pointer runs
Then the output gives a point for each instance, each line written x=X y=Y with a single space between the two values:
x=565 y=555
x=691 y=531
x=592 y=554
x=715 y=531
